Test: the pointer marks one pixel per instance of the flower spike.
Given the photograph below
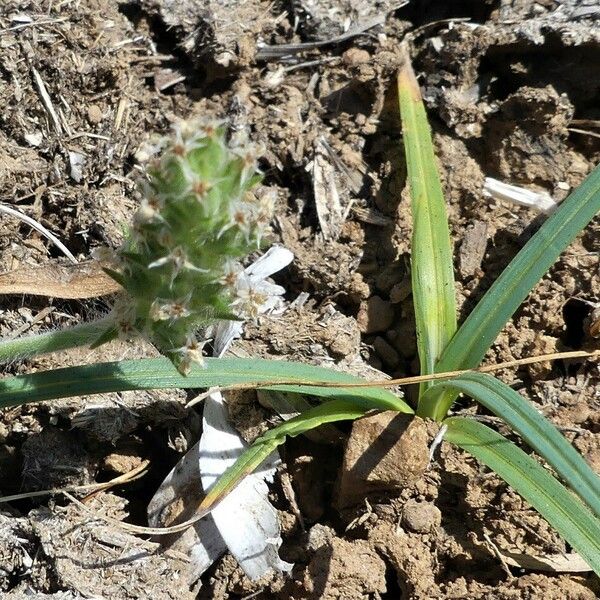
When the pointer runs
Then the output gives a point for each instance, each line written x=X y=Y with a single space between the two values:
x=197 y=222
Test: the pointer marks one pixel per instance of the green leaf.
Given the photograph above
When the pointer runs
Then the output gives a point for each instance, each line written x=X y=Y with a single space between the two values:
x=54 y=341
x=159 y=373
x=535 y=429
x=564 y=511
x=250 y=460
x=482 y=326
x=431 y=254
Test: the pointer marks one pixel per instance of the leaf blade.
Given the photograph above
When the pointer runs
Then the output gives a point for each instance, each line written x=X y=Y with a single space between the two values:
x=564 y=511
x=329 y=412
x=159 y=373
x=431 y=256
x=539 y=433
x=475 y=336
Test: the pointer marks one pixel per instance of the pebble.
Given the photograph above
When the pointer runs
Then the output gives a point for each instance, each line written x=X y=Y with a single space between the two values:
x=421 y=517
x=356 y=56
x=400 y=291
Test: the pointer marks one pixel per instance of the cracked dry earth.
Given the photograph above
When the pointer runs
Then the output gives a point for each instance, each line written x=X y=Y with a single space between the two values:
x=512 y=90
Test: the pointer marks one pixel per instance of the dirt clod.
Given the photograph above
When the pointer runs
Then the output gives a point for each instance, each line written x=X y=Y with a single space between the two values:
x=375 y=315
x=421 y=517
x=385 y=452
x=343 y=569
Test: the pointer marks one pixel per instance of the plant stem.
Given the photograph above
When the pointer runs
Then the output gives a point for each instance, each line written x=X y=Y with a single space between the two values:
x=79 y=335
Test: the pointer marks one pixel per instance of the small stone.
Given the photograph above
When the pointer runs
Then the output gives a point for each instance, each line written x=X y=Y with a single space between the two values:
x=94 y=114
x=421 y=517
x=318 y=536
x=389 y=276
x=121 y=463
x=386 y=352
x=472 y=249
x=375 y=315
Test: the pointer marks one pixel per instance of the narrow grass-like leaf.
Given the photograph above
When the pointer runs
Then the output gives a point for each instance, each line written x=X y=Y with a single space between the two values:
x=484 y=323
x=159 y=373
x=431 y=254
x=250 y=460
x=53 y=341
x=535 y=429
x=563 y=510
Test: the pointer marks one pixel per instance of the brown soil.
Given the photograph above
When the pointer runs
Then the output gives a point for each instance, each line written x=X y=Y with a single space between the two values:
x=512 y=92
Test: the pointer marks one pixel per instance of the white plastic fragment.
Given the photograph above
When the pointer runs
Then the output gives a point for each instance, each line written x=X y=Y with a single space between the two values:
x=245 y=522
x=76 y=163
x=34 y=139
x=245 y=519
x=541 y=201
x=21 y=18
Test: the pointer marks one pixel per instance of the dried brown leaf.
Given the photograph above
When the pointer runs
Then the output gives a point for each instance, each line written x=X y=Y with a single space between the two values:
x=72 y=282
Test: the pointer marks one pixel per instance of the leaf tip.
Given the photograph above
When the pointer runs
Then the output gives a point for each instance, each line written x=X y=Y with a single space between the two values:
x=407 y=81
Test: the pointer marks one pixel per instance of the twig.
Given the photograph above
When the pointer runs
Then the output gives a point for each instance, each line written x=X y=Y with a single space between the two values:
x=34 y=24
x=281 y=50
x=419 y=378
x=499 y=556
x=39 y=228
x=41 y=315
x=46 y=100
x=437 y=440
x=132 y=475
x=584 y=132
x=135 y=528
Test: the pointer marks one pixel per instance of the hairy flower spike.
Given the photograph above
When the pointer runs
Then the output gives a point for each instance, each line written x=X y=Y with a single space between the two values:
x=197 y=221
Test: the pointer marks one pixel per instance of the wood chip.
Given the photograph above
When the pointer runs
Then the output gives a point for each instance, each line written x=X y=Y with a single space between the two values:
x=327 y=199
x=72 y=282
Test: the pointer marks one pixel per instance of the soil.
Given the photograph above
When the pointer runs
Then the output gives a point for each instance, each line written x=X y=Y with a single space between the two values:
x=512 y=89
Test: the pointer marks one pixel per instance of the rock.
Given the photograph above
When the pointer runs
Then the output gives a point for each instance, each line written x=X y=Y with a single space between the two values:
x=421 y=517
x=541 y=344
x=375 y=315
x=385 y=452
x=356 y=56
x=319 y=535
x=400 y=291
x=121 y=463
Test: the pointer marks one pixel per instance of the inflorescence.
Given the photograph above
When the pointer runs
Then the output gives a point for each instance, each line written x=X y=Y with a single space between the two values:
x=180 y=267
